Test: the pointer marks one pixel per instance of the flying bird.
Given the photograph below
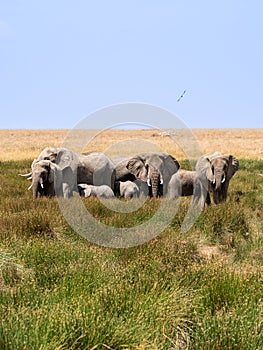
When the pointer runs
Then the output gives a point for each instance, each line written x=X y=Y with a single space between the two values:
x=181 y=96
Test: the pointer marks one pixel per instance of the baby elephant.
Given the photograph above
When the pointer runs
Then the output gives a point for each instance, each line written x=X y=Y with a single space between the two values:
x=183 y=183
x=127 y=189
x=102 y=191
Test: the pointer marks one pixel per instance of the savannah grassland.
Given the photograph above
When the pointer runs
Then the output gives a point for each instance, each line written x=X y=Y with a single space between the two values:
x=199 y=290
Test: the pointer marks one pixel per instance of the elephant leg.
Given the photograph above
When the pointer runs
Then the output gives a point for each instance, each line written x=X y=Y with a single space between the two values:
x=200 y=193
x=203 y=197
x=208 y=199
x=67 y=192
x=162 y=190
x=216 y=197
x=58 y=185
x=224 y=191
x=196 y=192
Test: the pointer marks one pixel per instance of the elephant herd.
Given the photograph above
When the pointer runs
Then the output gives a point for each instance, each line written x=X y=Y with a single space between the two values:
x=60 y=172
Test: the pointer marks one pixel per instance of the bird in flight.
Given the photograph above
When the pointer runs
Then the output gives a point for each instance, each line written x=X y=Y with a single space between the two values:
x=181 y=96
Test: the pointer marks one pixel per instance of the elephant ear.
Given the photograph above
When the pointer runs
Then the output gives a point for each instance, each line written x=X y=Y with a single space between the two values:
x=49 y=166
x=52 y=157
x=66 y=158
x=204 y=168
x=233 y=166
x=176 y=163
x=134 y=165
x=33 y=163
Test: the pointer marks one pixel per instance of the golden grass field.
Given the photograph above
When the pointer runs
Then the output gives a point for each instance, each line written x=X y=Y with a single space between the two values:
x=27 y=144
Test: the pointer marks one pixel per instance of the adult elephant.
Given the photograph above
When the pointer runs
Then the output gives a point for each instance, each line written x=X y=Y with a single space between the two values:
x=214 y=172
x=48 y=153
x=156 y=168
x=42 y=178
x=42 y=174
x=71 y=168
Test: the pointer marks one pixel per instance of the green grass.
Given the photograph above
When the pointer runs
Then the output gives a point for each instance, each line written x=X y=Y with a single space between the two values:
x=199 y=290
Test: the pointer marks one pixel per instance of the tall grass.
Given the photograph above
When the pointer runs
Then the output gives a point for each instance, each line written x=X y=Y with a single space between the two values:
x=199 y=290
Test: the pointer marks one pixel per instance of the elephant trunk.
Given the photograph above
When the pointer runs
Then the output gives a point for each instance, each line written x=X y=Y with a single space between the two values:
x=58 y=182
x=219 y=180
x=35 y=186
x=155 y=180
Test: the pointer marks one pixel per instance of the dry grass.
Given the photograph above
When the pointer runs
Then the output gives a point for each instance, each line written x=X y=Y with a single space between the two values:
x=27 y=144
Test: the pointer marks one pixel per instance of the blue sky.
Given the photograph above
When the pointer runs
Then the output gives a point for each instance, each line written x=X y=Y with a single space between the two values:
x=62 y=60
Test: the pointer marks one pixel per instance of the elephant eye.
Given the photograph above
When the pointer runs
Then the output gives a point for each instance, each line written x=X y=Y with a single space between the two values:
x=213 y=169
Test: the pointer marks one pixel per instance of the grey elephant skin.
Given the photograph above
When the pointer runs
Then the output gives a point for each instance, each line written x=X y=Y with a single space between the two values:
x=102 y=191
x=42 y=178
x=143 y=188
x=155 y=168
x=214 y=172
x=49 y=153
x=182 y=184
x=93 y=168
x=57 y=171
x=42 y=174
x=127 y=189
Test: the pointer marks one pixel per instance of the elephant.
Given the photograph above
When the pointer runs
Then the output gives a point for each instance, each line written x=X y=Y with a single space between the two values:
x=48 y=153
x=93 y=168
x=43 y=173
x=214 y=172
x=102 y=191
x=127 y=189
x=182 y=184
x=42 y=178
x=155 y=168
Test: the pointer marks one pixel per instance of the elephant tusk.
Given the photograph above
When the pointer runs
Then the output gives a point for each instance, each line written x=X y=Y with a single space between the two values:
x=223 y=180
x=148 y=181
x=214 y=181
x=29 y=178
x=161 y=180
x=42 y=186
x=30 y=187
x=29 y=174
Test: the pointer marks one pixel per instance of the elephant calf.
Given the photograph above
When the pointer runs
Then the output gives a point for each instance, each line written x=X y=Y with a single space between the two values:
x=184 y=183
x=102 y=191
x=127 y=189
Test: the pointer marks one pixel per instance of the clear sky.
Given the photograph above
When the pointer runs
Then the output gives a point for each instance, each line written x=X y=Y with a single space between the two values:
x=62 y=60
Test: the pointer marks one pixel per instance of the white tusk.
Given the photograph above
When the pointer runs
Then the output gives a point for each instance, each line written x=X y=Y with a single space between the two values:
x=223 y=180
x=148 y=181
x=29 y=174
x=161 y=180
x=214 y=181
x=42 y=186
x=29 y=178
x=30 y=187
